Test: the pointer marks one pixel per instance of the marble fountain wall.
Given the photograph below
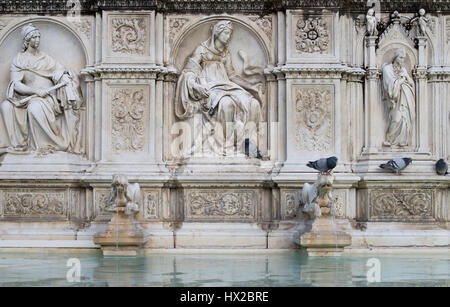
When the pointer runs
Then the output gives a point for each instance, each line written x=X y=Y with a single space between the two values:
x=320 y=95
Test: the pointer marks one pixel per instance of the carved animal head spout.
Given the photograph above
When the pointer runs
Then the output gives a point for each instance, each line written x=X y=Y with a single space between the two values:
x=120 y=190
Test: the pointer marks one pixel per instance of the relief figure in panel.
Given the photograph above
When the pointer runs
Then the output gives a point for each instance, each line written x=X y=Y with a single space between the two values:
x=399 y=94
x=229 y=103
x=42 y=109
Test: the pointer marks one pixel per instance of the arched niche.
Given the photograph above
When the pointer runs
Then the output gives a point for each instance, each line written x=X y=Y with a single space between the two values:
x=244 y=38
x=57 y=40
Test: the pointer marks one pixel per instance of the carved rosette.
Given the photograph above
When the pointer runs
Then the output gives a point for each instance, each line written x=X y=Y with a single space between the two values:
x=34 y=203
x=129 y=35
x=401 y=205
x=314 y=119
x=229 y=204
x=151 y=205
x=312 y=35
x=128 y=120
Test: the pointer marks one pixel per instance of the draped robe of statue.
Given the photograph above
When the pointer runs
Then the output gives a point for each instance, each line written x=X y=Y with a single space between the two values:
x=399 y=93
x=41 y=124
x=213 y=69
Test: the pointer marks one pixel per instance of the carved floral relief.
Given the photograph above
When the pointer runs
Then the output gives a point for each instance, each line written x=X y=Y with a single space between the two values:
x=312 y=35
x=221 y=204
x=31 y=203
x=408 y=205
x=314 y=118
x=128 y=120
x=151 y=204
x=129 y=35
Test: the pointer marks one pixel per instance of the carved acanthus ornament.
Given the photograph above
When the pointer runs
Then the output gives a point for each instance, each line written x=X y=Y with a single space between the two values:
x=129 y=35
x=34 y=204
x=314 y=111
x=175 y=26
x=219 y=204
x=264 y=23
x=84 y=26
x=405 y=205
x=312 y=35
x=128 y=124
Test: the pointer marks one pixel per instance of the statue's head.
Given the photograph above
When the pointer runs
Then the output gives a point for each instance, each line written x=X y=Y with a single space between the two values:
x=222 y=31
x=399 y=57
x=371 y=12
x=422 y=12
x=31 y=37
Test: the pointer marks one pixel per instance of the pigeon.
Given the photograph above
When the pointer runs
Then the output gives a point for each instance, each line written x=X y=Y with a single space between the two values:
x=441 y=167
x=324 y=165
x=397 y=164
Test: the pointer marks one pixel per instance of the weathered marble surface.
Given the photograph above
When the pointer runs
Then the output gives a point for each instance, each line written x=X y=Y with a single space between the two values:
x=319 y=93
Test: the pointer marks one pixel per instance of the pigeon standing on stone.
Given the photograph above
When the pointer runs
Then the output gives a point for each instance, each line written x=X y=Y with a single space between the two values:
x=441 y=167
x=324 y=165
x=397 y=164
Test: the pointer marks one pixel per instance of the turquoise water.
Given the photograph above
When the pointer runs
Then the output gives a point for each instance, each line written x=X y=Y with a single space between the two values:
x=228 y=270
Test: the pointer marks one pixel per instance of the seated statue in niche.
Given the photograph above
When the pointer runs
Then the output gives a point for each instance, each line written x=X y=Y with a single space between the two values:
x=229 y=104
x=399 y=94
x=41 y=112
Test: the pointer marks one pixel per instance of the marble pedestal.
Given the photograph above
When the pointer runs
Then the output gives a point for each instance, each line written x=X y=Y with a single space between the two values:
x=123 y=237
x=325 y=238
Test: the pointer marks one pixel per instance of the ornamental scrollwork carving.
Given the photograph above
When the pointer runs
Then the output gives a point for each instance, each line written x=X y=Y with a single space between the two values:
x=129 y=35
x=314 y=118
x=407 y=205
x=219 y=204
x=128 y=124
x=312 y=35
x=34 y=204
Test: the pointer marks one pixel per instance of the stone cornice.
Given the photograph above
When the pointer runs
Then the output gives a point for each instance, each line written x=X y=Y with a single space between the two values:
x=217 y=6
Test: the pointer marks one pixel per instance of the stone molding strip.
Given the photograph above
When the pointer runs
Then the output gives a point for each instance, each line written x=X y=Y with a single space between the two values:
x=217 y=6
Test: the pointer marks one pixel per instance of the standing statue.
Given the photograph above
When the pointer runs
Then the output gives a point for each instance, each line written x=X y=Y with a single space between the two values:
x=422 y=21
x=399 y=94
x=41 y=112
x=371 y=22
x=209 y=84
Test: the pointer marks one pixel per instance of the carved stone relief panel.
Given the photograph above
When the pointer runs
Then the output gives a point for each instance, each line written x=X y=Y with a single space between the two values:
x=221 y=204
x=401 y=205
x=84 y=26
x=176 y=25
x=101 y=198
x=314 y=120
x=311 y=37
x=129 y=37
x=339 y=203
x=128 y=119
x=289 y=203
x=264 y=24
x=151 y=204
x=35 y=203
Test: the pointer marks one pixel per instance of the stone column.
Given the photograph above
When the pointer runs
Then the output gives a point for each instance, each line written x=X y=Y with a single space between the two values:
x=420 y=75
x=371 y=97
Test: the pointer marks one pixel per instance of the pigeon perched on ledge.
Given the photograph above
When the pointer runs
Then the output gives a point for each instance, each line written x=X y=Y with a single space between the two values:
x=324 y=165
x=441 y=167
x=397 y=164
